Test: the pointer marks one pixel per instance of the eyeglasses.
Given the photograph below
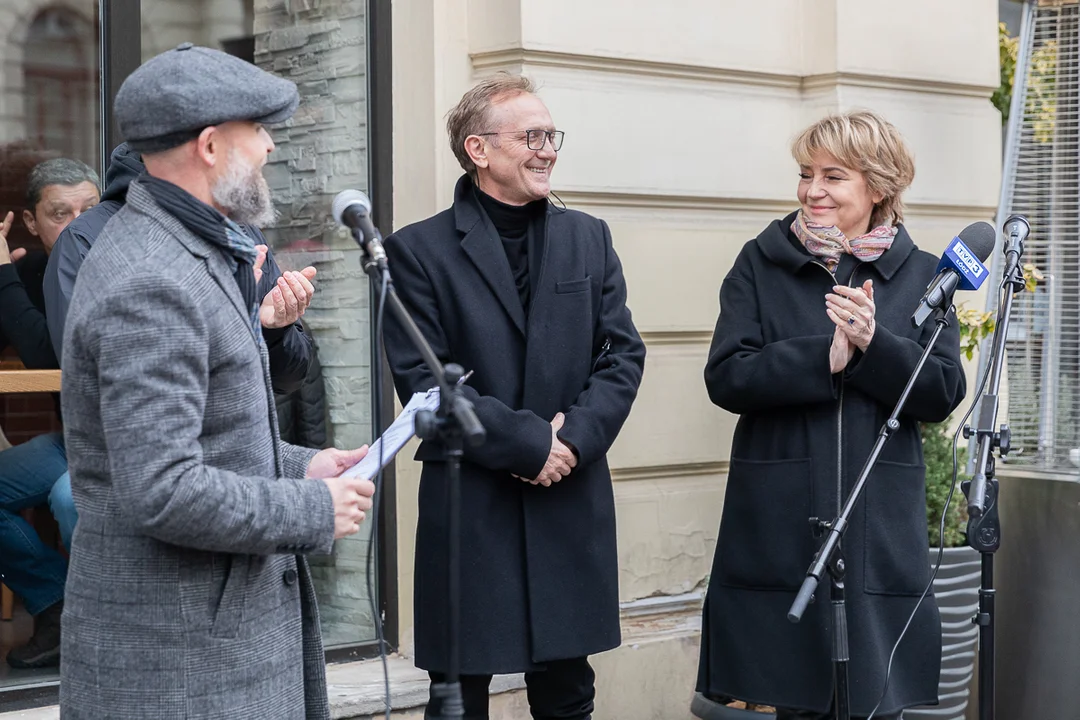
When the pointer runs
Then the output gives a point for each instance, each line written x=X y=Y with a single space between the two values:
x=535 y=139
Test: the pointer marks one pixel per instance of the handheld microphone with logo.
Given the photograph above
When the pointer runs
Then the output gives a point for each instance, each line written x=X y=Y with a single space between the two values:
x=352 y=209
x=961 y=266
x=1016 y=230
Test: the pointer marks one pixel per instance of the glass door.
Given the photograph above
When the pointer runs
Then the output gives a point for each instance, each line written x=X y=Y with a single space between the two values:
x=50 y=164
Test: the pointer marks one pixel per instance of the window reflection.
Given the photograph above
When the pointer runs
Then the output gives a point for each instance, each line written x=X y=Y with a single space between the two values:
x=49 y=120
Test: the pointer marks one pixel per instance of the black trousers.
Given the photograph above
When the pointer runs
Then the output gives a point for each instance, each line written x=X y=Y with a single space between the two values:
x=564 y=691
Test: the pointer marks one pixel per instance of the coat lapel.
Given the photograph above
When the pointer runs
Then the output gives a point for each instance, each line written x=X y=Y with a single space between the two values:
x=223 y=276
x=483 y=246
x=215 y=261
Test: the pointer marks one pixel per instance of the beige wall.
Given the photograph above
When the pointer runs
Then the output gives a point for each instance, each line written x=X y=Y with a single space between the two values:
x=679 y=118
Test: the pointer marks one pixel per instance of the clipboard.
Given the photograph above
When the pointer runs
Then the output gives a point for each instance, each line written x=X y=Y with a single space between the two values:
x=396 y=436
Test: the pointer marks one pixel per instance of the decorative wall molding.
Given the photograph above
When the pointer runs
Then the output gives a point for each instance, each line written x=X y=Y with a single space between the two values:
x=666 y=472
x=514 y=58
x=887 y=82
x=662 y=617
x=676 y=337
x=663 y=604
x=659 y=201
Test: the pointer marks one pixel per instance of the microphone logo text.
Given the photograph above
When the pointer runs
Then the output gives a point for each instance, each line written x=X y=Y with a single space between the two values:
x=970 y=261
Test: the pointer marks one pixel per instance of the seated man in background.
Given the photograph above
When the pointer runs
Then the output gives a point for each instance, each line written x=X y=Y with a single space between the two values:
x=58 y=191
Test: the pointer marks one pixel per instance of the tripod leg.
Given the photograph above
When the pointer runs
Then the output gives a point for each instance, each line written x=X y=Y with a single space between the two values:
x=985 y=620
x=840 y=652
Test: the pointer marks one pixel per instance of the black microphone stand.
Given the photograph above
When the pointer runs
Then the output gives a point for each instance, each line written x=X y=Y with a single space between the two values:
x=829 y=557
x=454 y=423
x=984 y=528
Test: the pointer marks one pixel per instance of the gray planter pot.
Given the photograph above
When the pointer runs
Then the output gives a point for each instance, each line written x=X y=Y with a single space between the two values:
x=956 y=589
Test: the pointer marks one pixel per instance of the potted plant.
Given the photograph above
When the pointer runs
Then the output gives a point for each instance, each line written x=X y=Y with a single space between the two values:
x=956 y=586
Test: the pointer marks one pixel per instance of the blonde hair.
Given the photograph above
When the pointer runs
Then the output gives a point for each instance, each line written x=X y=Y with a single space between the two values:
x=470 y=115
x=866 y=142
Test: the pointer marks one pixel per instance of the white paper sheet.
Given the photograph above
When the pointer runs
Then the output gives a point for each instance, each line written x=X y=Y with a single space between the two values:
x=395 y=437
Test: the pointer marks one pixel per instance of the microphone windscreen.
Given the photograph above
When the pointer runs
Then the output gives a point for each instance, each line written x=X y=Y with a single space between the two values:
x=346 y=199
x=980 y=237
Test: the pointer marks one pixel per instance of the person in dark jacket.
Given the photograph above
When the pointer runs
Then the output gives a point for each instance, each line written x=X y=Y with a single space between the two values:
x=289 y=346
x=812 y=349
x=302 y=413
x=532 y=299
x=57 y=191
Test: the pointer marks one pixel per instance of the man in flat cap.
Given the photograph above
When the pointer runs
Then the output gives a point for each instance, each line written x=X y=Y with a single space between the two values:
x=188 y=595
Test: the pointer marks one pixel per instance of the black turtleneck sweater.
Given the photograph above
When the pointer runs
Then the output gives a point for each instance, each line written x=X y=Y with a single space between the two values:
x=521 y=229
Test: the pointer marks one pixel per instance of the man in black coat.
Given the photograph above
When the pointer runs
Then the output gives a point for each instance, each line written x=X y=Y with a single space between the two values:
x=531 y=298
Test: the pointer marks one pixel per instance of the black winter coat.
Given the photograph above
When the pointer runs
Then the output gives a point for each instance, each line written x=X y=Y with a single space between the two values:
x=22 y=318
x=801 y=440
x=302 y=413
x=539 y=564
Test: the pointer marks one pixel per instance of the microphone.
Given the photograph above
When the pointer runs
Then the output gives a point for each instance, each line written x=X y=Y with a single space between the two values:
x=352 y=209
x=1016 y=230
x=961 y=266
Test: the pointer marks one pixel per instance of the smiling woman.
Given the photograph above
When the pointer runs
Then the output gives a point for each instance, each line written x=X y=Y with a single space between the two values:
x=852 y=171
x=812 y=349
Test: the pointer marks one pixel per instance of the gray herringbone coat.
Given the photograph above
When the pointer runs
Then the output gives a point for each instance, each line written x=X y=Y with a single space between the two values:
x=187 y=593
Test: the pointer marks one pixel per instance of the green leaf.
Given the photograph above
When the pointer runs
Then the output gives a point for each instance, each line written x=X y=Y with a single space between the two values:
x=937 y=453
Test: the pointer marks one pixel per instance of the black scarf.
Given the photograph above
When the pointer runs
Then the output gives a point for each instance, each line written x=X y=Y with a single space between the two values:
x=209 y=224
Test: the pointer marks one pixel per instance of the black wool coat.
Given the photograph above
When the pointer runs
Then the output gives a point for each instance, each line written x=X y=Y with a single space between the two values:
x=802 y=437
x=539 y=564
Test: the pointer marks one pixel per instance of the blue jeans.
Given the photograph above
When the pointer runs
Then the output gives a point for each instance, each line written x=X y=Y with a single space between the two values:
x=63 y=508
x=34 y=572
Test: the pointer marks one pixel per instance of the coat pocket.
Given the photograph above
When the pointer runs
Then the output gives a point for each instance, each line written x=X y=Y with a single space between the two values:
x=766 y=542
x=895 y=562
x=227 y=594
x=573 y=286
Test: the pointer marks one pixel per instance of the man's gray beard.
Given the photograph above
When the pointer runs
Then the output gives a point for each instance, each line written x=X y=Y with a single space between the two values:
x=243 y=194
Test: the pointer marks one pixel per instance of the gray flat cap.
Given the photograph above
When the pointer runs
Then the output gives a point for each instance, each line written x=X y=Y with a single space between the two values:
x=172 y=97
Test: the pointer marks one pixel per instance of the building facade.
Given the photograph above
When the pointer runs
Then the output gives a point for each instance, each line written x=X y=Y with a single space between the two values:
x=678 y=122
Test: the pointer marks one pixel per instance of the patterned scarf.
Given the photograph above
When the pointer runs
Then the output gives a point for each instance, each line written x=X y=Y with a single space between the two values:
x=828 y=243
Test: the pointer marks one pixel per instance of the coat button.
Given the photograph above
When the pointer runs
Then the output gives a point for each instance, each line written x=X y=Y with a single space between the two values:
x=290 y=576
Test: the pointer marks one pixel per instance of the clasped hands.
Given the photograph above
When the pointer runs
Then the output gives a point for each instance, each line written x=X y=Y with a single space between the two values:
x=560 y=461
x=292 y=294
x=852 y=310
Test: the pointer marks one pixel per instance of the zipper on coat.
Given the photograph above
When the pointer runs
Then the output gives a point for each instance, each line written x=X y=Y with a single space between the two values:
x=839 y=411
